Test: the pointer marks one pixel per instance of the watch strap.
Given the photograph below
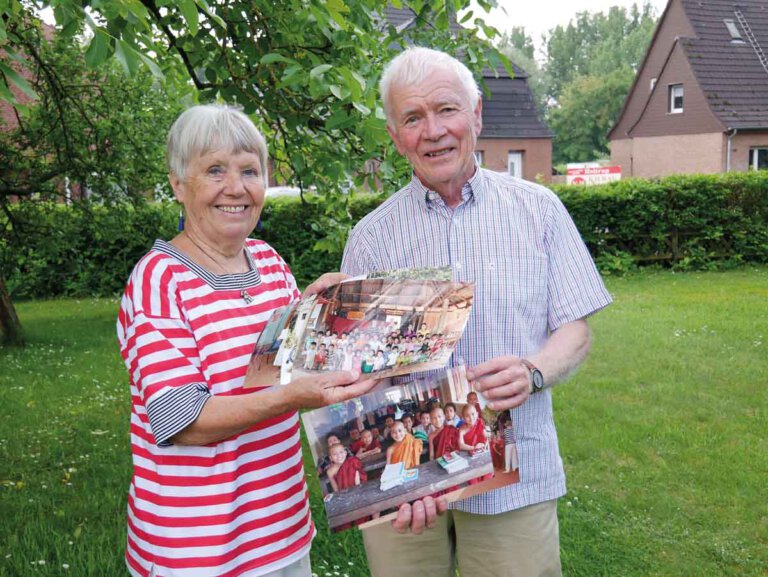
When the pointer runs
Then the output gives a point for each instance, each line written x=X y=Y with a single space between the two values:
x=535 y=378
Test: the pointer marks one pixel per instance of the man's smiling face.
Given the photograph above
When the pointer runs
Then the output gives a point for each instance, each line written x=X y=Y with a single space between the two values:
x=433 y=125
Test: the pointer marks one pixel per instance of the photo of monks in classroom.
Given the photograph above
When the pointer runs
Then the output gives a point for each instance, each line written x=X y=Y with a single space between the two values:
x=413 y=436
x=384 y=326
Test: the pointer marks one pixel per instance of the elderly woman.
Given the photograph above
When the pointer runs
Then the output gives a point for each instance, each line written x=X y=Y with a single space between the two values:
x=218 y=485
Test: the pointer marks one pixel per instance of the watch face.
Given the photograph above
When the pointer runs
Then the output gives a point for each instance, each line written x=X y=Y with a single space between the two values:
x=538 y=380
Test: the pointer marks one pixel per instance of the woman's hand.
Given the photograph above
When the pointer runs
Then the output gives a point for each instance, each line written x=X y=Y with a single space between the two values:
x=325 y=281
x=327 y=388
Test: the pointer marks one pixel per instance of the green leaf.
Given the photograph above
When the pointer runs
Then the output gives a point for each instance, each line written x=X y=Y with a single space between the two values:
x=362 y=108
x=5 y=91
x=340 y=118
x=339 y=91
x=98 y=49
x=20 y=82
x=319 y=70
x=127 y=56
x=274 y=57
x=152 y=65
x=188 y=9
x=292 y=75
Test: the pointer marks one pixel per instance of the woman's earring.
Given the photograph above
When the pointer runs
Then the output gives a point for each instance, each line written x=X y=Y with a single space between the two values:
x=181 y=220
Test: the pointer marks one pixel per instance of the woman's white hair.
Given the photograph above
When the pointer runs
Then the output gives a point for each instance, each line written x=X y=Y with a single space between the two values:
x=414 y=64
x=206 y=127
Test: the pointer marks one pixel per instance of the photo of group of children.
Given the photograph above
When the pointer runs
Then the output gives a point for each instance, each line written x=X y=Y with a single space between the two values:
x=431 y=431
x=384 y=326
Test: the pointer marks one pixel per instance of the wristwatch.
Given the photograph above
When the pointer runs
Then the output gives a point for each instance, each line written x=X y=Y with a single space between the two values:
x=536 y=378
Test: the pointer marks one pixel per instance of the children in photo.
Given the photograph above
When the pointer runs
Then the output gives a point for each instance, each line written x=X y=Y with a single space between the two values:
x=472 y=436
x=444 y=437
x=472 y=400
x=424 y=428
x=320 y=356
x=309 y=360
x=451 y=418
x=368 y=445
x=406 y=449
x=407 y=421
x=332 y=359
x=510 y=442
x=389 y=422
x=345 y=471
x=325 y=462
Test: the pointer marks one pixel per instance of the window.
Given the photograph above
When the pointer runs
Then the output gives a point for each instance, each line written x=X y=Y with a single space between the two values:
x=758 y=158
x=515 y=163
x=733 y=30
x=675 y=98
x=479 y=157
x=653 y=83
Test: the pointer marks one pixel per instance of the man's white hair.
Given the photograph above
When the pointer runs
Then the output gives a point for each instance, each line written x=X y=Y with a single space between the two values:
x=206 y=127
x=414 y=64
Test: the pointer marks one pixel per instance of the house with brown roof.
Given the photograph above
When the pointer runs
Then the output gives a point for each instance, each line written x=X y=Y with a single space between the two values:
x=699 y=103
x=514 y=138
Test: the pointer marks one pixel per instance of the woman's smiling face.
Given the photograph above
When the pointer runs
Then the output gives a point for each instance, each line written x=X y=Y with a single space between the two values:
x=223 y=194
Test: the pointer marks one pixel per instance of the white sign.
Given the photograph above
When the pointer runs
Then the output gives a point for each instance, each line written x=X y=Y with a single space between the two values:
x=591 y=173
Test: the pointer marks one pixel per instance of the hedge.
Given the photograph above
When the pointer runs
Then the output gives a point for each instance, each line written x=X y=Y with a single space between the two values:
x=682 y=222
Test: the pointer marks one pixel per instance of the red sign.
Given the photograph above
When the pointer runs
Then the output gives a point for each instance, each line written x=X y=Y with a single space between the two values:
x=593 y=174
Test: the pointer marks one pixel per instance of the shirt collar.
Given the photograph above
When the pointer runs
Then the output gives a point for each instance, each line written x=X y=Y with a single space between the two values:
x=470 y=192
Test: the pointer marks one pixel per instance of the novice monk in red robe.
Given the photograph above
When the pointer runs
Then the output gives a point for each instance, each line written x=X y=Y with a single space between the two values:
x=472 y=432
x=444 y=438
x=472 y=400
x=472 y=436
x=367 y=445
x=344 y=472
x=407 y=448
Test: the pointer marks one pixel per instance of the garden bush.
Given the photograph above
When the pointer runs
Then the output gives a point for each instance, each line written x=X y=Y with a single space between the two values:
x=685 y=222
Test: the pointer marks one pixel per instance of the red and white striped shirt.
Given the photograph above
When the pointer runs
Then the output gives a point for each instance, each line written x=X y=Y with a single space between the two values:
x=238 y=507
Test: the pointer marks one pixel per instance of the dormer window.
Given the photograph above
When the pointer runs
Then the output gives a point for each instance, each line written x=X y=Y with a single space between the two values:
x=675 y=98
x=733 y=30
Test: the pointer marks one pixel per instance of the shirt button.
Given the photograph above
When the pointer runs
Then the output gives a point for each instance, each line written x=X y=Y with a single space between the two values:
x=457 y=265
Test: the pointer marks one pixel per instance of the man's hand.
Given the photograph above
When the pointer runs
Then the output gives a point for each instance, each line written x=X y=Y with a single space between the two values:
x=503 y=381
x=419 y=515
x=325 y=281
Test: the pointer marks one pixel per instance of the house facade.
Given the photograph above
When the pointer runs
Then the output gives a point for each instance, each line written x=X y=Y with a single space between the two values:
x=514 y=138
x=699 y=103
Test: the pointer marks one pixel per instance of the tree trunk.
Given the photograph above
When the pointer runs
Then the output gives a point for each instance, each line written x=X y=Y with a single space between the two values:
x=9 y=321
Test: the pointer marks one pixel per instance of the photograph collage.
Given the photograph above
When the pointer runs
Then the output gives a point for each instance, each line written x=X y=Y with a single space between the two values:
x=392 y=324
x=410 y=437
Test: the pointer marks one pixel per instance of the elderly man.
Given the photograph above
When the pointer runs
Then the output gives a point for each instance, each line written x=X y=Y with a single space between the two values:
x=535 y=285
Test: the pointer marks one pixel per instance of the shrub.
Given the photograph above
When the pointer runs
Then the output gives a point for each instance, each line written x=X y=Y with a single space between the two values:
x=686 y=222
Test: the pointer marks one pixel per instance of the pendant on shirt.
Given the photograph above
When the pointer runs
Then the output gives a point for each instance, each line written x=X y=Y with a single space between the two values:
x=246 y=297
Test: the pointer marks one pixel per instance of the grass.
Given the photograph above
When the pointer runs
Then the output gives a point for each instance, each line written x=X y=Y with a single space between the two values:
x=664 y=433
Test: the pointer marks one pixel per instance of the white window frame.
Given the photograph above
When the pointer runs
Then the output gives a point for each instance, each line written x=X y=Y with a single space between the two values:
x=673 y=94
x=480 y=157
x=653 y=83
x=754 y=153
x=733 y=30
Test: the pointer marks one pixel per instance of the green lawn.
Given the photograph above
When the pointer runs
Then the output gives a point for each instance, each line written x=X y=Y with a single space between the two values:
x=664 y=433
